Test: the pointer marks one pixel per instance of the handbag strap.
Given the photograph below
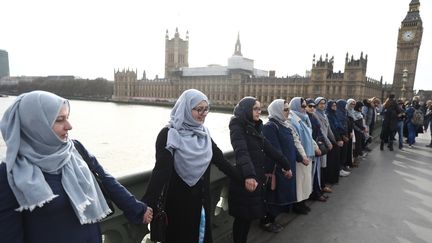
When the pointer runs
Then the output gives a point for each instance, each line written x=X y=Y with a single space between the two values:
x=161 y=201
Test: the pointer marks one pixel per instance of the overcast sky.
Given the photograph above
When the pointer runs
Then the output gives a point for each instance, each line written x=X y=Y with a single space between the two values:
x=91 y=38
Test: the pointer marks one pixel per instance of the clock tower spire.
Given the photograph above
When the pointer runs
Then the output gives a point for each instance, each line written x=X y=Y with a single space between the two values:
x=408 y=46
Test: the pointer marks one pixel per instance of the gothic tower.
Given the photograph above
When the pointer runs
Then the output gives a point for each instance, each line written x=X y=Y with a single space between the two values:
x=408 y=46
x=176 y=53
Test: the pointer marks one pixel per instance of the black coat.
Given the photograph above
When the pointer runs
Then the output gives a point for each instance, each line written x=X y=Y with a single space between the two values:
x=251 y=150
x=183 y=203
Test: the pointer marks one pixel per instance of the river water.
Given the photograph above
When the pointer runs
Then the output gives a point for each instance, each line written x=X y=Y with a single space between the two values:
x=122 y=136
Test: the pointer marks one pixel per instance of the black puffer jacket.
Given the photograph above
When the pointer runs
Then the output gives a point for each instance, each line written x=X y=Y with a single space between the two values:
x=252 y=153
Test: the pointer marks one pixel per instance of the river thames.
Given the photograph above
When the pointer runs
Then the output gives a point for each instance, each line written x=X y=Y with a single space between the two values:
x=122 y=136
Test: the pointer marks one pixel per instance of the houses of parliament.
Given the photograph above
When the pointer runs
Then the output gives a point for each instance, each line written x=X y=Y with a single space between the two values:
x=226 y=85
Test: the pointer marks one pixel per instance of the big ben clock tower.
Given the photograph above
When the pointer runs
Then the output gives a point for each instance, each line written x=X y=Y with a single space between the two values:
x=408 y=46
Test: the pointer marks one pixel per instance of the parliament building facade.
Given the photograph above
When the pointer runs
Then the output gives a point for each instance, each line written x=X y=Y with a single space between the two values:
x=226 y=85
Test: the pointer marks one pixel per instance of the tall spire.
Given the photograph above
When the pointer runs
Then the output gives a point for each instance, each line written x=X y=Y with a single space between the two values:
x=237 y=50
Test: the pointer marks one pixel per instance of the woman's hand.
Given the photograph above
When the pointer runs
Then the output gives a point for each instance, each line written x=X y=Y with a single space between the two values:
x=330 y=147
x=306 y=161
x=287 y=173
x=317 y=152
x=340 y=143
x=251 y=184
x=148 y=215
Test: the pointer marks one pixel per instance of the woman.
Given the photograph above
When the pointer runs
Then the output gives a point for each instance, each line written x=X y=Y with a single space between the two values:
x=390 y=113
x=184 y=153
x=300 y=120
x=48 y=193
x=252 y=151
x=318 y=136
x=283 y=193
x=359 y=131
x=346 y=150
x=321 y=103
x=332 y=170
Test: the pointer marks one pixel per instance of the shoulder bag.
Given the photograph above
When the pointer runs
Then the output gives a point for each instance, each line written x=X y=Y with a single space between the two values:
x=81 y=150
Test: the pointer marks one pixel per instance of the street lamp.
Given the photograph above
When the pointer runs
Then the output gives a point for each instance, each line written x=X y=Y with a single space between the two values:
x=404 y=80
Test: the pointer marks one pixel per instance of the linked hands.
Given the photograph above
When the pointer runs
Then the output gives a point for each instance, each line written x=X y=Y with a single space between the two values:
x=287 y=173
x=148 y=215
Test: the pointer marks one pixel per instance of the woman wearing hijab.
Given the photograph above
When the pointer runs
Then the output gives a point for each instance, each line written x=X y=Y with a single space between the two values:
x=48 y=193
x=184 y=153
x=321 y=103
x=300 y=120
x=346 y=151
x=283 y=193
x=359 y=131
x=317 y=135
x=252 y=151
x=333 y=157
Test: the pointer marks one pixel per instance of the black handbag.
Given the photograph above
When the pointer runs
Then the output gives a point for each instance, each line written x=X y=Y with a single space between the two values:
x=81 y=150
x=322 y=146
x=159 y=224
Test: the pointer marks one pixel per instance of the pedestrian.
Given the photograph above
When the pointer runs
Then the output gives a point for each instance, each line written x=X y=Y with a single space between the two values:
x=333 y=168
x=401 y=122
x=48 y=192
x=321 y=103
x=428 y=120
x=184 y=153
x=414 y=121
x=252 y=151
x=300 y=121
x=346 y=150
x=390 y=111
x=360 y=132
x=318 y=137
x=281 y=193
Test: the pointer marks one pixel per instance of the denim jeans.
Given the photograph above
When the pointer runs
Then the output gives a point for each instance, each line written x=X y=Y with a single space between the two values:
x=400 y=126
x=411 y=133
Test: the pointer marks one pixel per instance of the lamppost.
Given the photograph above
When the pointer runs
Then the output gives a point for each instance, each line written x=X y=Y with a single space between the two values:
x=404 y=80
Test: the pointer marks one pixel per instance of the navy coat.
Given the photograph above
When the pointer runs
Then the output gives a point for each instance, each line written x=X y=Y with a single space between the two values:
x=282 y=139
x=56 y=221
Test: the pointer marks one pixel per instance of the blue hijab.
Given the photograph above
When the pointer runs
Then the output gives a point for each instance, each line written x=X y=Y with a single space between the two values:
x=335 y=124
x=33 y=148
x=300 y=121
x=341 y=113
x=188 y=140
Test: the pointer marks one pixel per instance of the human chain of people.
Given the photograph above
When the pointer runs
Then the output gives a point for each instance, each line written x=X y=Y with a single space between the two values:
x=49 y=180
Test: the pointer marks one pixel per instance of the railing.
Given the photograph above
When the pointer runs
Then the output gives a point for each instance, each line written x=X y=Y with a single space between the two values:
x=116 y=228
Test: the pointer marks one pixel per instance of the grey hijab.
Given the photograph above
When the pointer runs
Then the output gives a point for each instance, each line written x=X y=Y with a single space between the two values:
x=34 y=148
x=275 y=110
x=188 y=140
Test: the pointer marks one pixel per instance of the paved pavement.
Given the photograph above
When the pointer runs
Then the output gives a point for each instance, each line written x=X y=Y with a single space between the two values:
x=387 y=199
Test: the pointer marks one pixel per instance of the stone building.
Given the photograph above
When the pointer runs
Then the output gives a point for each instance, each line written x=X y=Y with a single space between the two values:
x=408 y=46
x=226 y=85
x=4 y=64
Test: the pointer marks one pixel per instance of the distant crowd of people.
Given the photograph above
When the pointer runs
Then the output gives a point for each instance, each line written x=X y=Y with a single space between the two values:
x=53 y=189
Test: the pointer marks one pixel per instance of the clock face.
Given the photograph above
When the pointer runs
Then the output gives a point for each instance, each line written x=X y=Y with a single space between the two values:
x=408 y=35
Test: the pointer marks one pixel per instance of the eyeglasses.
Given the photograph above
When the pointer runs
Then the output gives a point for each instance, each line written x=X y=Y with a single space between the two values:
x=257 y=109
x=311 y=106
x=202 y=110
x=286 y=109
